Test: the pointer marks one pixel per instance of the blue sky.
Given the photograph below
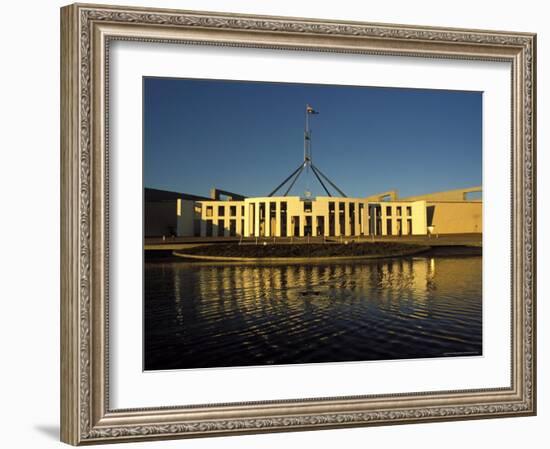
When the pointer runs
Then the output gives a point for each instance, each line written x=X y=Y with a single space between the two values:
x=246 y=137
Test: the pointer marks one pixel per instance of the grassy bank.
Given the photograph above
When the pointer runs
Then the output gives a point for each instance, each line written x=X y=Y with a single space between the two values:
x=303 y=251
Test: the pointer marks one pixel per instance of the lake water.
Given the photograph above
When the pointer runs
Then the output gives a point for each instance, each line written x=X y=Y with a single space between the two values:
x=200 y=315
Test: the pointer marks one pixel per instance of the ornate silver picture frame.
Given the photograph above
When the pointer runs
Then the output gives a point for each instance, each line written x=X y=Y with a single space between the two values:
x=87 y=32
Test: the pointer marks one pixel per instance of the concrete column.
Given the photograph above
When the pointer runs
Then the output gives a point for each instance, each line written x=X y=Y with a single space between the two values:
x=256 y=219
x=239 y=218
x=384 y=221
x=302 y=224
x=337 y=231
x=278 y=219
x=247 y=215
x=419 y=223
x=357 y=226
x=246 y=231
x=366 y=218
x=267 y=220
x=372 y=218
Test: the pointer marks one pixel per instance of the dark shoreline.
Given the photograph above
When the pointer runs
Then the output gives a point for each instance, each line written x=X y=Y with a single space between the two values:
x=454 y=251
x=352 y=250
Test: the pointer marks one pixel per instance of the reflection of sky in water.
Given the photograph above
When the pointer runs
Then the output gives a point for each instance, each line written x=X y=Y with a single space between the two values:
x=204 y=315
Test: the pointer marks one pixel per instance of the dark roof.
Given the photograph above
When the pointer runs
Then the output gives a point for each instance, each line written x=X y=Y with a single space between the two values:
x=166 y=195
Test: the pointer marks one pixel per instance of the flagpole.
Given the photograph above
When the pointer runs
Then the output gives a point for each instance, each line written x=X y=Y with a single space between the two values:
x=306 y=136
x=306 y=146
x=307 y=164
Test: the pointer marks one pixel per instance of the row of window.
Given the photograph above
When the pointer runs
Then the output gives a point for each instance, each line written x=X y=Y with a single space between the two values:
x=218 y=229
x=221 y=211
x=308 y=208
x=342 y=206
x=312 y=226
x=398 y=211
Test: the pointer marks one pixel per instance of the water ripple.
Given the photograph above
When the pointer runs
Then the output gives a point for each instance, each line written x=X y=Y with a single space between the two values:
x=204 y=315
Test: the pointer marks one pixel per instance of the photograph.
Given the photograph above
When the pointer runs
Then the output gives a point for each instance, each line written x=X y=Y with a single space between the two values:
x=279 y=221
x=294 y=223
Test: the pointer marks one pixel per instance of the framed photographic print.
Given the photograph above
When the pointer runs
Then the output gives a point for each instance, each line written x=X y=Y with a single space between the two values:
x=274 y=223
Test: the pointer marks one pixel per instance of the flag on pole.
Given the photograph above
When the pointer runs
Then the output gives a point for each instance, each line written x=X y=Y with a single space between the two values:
x=310 y=110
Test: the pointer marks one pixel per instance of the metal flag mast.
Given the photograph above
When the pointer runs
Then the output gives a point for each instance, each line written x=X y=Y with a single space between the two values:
x=307 y=163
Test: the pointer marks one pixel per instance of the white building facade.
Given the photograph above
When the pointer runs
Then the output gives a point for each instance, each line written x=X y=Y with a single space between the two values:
x=293 y=216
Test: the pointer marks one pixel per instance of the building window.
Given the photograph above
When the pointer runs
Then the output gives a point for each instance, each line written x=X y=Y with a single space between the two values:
x=331 y=219
x=221 y=211
x=388 y=210
x=352 y=218
x=398 y=211
x=233 y=210
x=308 y=225
x=272 y=219
x=283 y=219
x=262 y=219
x=308 y=206
x=296 y=226
x=209 y=211
x=409 y=211
x=252 y=219
x=242 y=211
x=320 y=228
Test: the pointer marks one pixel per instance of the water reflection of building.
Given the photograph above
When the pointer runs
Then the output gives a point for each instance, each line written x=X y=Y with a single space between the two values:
x=252 y=283
x=404 y=286
x=238 y=314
